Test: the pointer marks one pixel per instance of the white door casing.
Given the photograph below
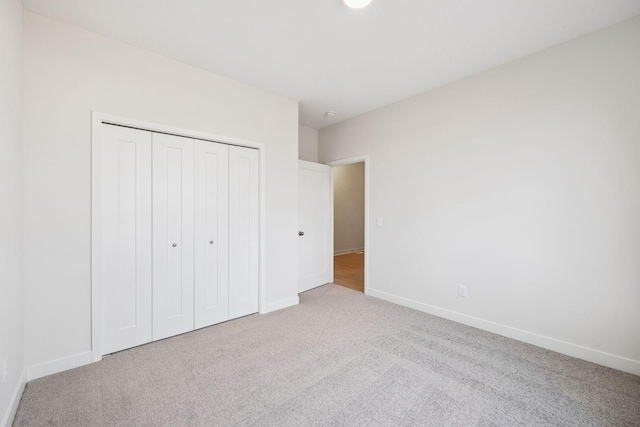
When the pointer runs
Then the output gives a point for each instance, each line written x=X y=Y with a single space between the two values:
x=126 y=231
x=243 y=231
x=211 y=241
x=315 y=239
x=173 y=262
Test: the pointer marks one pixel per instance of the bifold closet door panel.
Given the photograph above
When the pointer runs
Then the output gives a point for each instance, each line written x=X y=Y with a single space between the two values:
x=173 y=260
x=211 y=233
x=243 y=231
x=126 y=238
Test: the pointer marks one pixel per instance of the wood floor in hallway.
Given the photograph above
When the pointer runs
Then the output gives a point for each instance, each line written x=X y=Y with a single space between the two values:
x=348 y=271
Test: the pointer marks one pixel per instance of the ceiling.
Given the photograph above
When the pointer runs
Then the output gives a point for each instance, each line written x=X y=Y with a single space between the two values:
x=329 y=57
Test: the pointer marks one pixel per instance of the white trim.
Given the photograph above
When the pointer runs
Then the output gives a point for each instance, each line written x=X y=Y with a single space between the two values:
x=97 y=119
x=357 y=159
x=569 y=349
x=279 y=305
x=331 y=225
x=347 y=251
x=96 y=236
x=63 y=364
x=9 y=416
x=262 y=229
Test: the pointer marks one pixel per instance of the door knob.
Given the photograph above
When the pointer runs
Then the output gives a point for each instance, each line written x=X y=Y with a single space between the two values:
x=211 y=242
x=174 y=245
x=300 y=233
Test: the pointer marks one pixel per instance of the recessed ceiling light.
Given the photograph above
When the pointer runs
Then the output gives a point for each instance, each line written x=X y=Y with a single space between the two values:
x=357 y=4
x=330 y=113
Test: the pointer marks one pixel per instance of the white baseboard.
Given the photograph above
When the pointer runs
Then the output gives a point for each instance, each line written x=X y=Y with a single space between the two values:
x=279 y=305
x=7 y=420
x=58 y=365
x=347 y=251
x=574 y=350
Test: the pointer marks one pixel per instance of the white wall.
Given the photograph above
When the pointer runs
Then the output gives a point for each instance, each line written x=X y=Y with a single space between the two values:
x=11 y=288
x=68 y=73
x=308 y=144
x=522 y=183
x=348 y=208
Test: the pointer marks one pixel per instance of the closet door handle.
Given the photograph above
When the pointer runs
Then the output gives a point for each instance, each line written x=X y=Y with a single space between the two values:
x=211 y=242
x=300 y=233
x=174 y=245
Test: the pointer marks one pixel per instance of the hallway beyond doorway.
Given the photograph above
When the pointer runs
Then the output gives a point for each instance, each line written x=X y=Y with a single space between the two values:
x=348 y=271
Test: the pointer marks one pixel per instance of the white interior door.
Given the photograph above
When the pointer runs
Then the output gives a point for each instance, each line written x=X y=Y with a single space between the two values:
x=243 y=231
x=173 y=262
x=211 y=233
x=126 y=238
x=315 y=237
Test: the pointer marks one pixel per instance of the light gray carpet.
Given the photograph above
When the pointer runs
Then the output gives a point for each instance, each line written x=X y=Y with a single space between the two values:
x=338 y=358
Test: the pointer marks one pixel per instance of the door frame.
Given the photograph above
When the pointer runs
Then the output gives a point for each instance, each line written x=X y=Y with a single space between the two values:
x=350 y=160
x=97 y=120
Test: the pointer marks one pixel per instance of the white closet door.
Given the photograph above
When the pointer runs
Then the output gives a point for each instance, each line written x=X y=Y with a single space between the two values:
x=126 y=238
x=172 y=235
x=211 y=233
x=243 y=231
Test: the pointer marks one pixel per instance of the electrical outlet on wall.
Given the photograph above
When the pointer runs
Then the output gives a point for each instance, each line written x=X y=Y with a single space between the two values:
x=462 y=291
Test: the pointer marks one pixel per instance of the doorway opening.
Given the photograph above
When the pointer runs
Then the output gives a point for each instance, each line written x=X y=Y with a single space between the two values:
x=349 y=223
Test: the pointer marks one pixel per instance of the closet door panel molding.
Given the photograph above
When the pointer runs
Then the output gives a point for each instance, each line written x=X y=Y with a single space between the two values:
x=126 y=230
x=173 y=260
x=211 y=233
x=243 y=231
